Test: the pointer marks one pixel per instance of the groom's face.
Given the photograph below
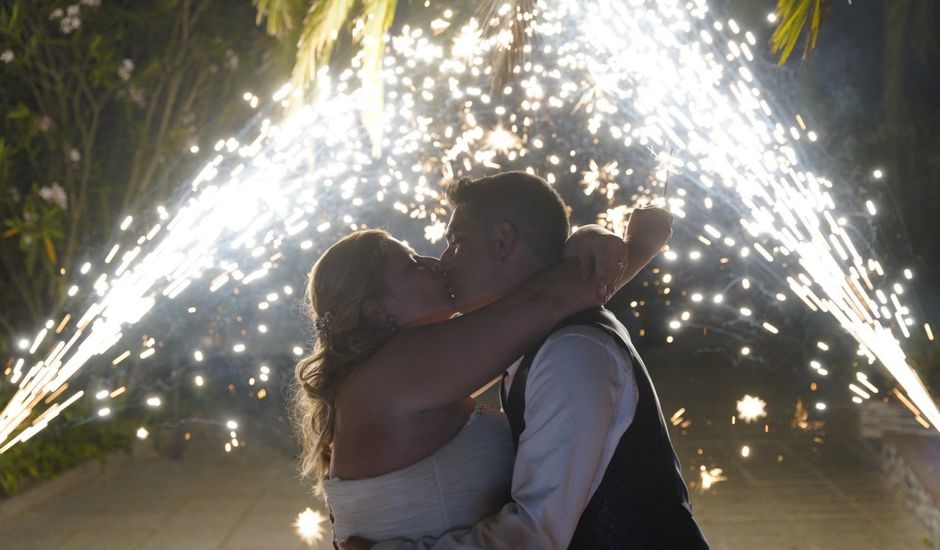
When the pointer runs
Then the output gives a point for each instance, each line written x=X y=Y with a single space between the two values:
x=470 y=260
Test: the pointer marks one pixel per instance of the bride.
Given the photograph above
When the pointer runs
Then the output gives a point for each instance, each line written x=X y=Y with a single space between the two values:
x=382 y=405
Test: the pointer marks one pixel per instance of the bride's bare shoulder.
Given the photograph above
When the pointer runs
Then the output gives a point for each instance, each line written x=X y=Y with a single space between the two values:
x=361 y=392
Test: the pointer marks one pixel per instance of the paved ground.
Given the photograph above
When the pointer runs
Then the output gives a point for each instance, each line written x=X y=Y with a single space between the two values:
x=209 y=499
x=799 y=489
x=803 y=503
x=817 y=489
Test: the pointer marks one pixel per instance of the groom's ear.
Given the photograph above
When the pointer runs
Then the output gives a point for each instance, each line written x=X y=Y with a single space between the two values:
x=506 y=239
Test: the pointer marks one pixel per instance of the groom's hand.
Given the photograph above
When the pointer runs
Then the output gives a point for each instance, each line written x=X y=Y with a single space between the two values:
x=357 y=543
x=601 y=253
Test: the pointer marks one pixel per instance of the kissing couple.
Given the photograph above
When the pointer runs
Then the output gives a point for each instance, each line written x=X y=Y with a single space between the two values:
x=391 y=435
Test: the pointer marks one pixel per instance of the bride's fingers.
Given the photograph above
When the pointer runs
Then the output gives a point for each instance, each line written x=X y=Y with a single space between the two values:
x=606 y=271
x=610 y=266
x=622 y=268
x=585 y=262
x=616 y=274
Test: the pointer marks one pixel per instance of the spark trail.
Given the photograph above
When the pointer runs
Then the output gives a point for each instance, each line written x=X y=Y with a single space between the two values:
x=604 y=83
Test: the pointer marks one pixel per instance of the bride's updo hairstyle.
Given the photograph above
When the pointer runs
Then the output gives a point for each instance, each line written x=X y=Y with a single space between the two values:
x=348 y=275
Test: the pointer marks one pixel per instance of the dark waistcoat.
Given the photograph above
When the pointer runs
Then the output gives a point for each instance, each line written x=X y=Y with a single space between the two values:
x=642 y=502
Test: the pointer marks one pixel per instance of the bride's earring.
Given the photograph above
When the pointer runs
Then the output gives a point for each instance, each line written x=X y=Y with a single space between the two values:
x=392 y=323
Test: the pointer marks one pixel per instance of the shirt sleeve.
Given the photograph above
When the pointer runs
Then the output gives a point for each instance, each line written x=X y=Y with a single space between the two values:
x=573 y=389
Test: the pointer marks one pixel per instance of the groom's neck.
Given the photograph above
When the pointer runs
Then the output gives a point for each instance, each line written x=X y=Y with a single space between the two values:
x=516 y=273
x=509 y=279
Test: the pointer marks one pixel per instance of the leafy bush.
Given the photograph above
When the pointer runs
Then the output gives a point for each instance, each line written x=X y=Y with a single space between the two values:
x=64 y=444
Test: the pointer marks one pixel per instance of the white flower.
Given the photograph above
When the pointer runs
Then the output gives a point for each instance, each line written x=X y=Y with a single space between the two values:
x=44 y=123
x=74 y=155
x=56 y=14
x=126 y=69
x=91 y=3
x=6 y=56
x=69 y=24
x=231 y=59
x=55 y=195
x=71 y=21
x=136 y=95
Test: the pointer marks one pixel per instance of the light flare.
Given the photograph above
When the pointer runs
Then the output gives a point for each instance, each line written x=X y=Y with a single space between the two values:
x=308 y=526
x=750 y=408
x=616 y=81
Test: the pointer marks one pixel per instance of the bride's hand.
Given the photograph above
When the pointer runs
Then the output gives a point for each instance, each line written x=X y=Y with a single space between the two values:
x=600 y=252
x=649 y=229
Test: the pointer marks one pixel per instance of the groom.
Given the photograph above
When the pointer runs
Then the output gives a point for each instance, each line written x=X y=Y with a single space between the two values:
x=594 y=465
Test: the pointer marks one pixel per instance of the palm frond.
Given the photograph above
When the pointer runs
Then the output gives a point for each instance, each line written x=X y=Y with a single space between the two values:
x=378 y=16
x=896 y=31
x=50 y=249
x=925 y=18
x=321 y=28
x=281 y=15
x=793 y=16
x=509 y=23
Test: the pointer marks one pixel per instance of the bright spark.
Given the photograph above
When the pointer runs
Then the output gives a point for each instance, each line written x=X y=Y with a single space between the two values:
x=710 y=477
x=621 y=78
x=751 y=408
x=308 y=526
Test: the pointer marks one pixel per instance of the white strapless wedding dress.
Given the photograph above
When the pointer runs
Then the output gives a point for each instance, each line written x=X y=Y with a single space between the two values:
x=461 y=483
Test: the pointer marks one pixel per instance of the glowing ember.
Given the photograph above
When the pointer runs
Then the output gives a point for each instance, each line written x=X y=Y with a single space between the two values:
x=308 y=526
x=502 y=140
x=751 y=408
x=609 y=83
x=710 y=477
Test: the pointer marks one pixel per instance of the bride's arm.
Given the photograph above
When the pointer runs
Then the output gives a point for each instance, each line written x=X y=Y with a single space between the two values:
x=648 y=231
x=615 y=261
x=432 y=366
x=436 y=365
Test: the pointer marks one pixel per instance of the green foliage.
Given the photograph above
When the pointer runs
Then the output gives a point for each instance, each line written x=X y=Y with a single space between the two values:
x=904 y=141
x=37 y=226
x=62 y=446
x=99 y=108
x=282 y=15
x=793 y=16
x=910 y=27
x=322 y=27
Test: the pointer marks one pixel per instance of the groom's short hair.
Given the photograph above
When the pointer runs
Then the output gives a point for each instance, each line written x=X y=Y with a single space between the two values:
x=527 y=201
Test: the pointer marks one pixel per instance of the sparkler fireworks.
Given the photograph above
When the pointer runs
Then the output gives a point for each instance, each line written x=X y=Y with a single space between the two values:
x=605 y=83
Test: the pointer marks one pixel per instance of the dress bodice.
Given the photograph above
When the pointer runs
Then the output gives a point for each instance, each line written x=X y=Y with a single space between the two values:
x=464 y=481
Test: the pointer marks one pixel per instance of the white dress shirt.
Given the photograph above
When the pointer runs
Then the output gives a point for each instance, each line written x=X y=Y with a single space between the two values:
x=580 y=398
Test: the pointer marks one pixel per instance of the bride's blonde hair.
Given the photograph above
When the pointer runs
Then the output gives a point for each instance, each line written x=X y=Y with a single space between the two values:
x=347 y=275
